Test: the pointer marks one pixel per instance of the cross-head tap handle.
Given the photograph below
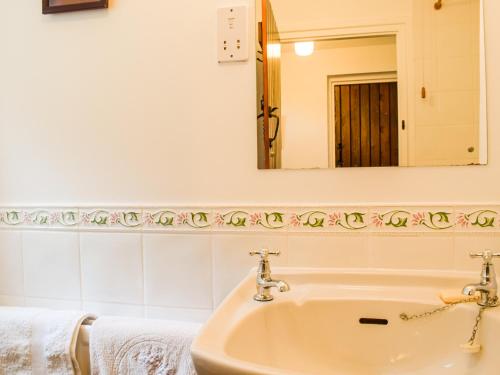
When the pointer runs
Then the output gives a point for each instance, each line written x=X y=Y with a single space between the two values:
x=264 y=253
x=486 y=255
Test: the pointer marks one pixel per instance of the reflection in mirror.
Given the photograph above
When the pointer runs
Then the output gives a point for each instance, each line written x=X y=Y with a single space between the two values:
x=364 y=83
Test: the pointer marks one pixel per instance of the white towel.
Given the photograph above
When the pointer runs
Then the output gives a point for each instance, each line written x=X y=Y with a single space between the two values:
x=126 y=346
x=39 y=341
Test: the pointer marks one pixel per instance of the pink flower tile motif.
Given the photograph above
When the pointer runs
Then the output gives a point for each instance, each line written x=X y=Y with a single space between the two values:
x=182 y=218
x=295 y=220
x=27 y=218
x=377 y=220
x=418 y=218
x=334 y=219
x=148 y=218
x=463 y=220
x=114 y=218
x=54 y=218
x=255 y=219
x=85 y=218
x=219 y=219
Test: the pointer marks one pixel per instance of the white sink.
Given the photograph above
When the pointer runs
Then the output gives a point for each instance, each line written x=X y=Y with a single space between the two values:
x=315 y=328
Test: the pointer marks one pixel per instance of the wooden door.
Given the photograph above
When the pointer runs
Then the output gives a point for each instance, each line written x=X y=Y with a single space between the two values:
x=366 y=125
x=272 y=90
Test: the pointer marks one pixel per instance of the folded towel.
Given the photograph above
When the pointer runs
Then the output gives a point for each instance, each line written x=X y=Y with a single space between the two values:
x=123 y=346
x=39 y=341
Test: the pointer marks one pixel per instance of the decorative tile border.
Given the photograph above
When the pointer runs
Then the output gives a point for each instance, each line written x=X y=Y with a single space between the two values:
x=315 y=219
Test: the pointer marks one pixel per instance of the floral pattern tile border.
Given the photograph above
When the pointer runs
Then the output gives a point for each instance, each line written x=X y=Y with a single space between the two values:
x=303 y=219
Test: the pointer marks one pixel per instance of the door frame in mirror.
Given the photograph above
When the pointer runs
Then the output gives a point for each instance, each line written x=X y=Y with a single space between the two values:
x=355 y=79
x=404 y=58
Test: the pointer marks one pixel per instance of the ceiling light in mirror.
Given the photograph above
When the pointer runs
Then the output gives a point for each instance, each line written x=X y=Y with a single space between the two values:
x=274 y=50
x=304 y=48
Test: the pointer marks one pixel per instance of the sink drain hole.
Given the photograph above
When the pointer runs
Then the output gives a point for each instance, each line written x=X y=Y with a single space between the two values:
x=372 y=321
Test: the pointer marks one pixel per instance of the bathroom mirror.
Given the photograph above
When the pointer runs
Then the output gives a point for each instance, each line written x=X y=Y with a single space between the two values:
x=370 y=83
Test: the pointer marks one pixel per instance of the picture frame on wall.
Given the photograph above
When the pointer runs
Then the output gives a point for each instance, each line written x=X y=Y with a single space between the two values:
x=59 y=6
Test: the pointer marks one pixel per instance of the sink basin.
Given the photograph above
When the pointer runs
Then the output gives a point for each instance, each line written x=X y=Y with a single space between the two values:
x=347 y=322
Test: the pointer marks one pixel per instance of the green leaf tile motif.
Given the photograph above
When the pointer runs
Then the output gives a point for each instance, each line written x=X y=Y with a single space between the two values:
x=105 y=218
x=353 y=221
x=347 y=220
x=236 y=219
x=163 y=218
x=196 y=220
x=271 y=220
x=310 y=219
x=439 y=220
x=479 y=218
x=11 y=218
x=394 y=219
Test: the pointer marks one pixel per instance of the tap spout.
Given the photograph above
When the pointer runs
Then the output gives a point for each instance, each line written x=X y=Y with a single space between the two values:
x=487 y=293
x=281 y=285
x=471 y=289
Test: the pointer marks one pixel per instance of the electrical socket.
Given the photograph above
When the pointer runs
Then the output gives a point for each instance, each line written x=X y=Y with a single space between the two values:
x=232 y=35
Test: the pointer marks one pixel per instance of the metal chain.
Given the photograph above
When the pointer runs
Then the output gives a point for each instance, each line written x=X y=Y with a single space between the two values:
x=479 y=316
x=476 y=325
x=407 y=317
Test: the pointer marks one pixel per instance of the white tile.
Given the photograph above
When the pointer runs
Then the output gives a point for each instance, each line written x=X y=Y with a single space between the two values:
x=11 y=264
x=232 y=261
x=113 y=309
x=178 y=271
x=412 y=252
x=112 y=267
x=11 y=301
x=51 y=265
x=55 y=304
x=185 y=315
x=473 y=243
x=328 y=251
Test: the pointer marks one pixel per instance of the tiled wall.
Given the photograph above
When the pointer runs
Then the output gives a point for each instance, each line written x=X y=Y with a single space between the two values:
x=184 y=275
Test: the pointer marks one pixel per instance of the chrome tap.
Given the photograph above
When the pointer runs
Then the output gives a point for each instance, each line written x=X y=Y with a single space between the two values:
x=487 y=287
x=264 y=280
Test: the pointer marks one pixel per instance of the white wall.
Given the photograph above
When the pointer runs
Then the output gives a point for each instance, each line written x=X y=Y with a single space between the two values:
x=304 y=84
x=129 y=105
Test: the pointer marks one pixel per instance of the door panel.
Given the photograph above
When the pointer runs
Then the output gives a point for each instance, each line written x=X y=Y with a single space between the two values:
x=355 y=127
x=366 y=125
x=385 y=132
x=345 y=122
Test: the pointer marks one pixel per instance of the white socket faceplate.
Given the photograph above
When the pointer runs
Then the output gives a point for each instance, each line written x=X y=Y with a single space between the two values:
x=232 y=35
